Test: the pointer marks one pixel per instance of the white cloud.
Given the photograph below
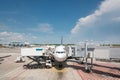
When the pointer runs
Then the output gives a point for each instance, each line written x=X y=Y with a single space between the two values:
x=113 y=39
x=43 y=27
x=3 y=27
x=108 y=10
x=101 y=25
x=8 y=12
x=6 y=37
x=116 y=19
x=12 y=20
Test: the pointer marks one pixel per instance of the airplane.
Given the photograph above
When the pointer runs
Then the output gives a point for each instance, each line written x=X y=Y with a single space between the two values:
x=60 y=54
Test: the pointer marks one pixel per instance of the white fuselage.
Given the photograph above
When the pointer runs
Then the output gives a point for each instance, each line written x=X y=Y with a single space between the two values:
x=60 y=54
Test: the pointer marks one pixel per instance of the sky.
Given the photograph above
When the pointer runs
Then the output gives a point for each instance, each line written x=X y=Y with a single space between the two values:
x=45 y=21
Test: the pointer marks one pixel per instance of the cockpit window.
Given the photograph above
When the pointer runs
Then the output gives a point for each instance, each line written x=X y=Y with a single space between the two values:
x=60 y=52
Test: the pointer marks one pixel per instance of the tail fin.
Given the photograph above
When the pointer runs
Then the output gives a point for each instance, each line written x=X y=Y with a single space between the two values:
x=61 y=40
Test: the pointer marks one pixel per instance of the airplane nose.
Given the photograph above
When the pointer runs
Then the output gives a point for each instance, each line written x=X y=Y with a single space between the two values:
x=60 y=58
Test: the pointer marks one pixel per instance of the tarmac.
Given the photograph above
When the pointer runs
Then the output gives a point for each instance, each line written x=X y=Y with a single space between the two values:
x=10 y=70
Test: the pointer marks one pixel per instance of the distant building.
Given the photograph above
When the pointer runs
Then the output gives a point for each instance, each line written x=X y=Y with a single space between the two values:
x=19 y=44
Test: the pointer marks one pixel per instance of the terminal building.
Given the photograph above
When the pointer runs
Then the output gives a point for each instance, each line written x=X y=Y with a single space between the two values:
x=19 y=44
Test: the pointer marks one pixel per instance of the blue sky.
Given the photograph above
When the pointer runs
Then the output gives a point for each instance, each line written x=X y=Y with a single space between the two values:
x=45 y=21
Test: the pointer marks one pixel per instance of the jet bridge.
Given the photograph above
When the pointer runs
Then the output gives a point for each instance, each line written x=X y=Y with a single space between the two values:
x=38 y=55
x=84 y=53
